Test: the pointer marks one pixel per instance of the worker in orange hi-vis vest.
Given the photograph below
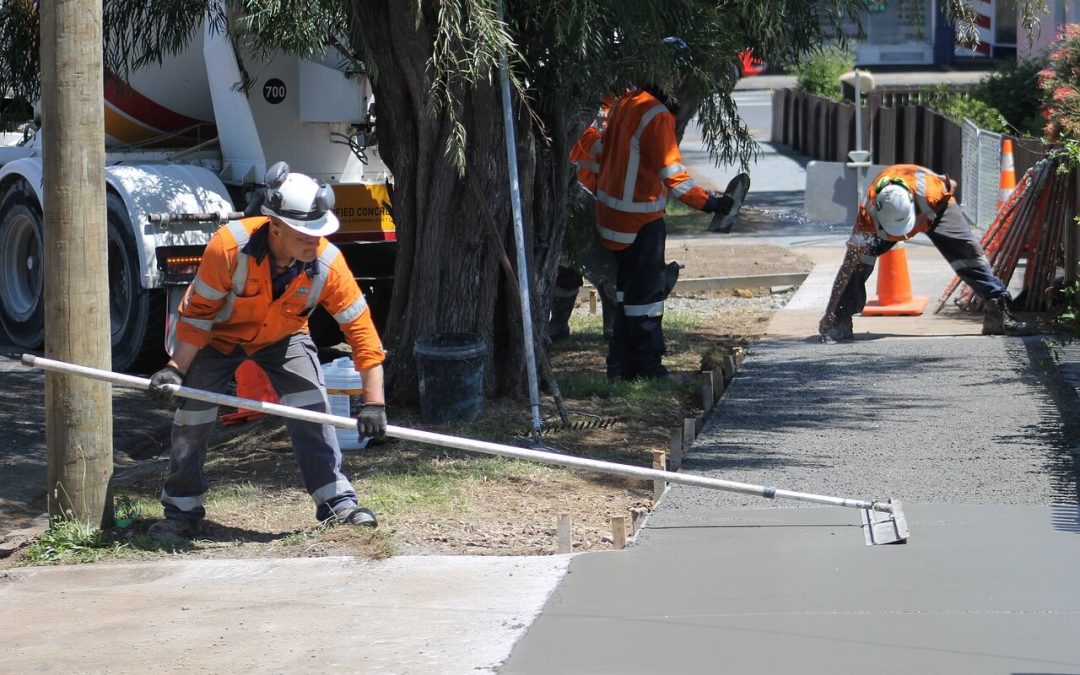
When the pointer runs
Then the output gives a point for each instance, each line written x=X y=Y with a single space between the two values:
x=638 y=165
x=259 y=280
x=903 y=201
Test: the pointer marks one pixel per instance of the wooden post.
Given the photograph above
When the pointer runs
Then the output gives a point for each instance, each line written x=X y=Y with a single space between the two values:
x=565 y=534
x=618 y=532
x=592 y=301
x=659 y=461
x=717 y=383
x=707 y=397
x=637 y=517
x=78 y=410
x=675 y=453
x=729 y=367
x=689 y=433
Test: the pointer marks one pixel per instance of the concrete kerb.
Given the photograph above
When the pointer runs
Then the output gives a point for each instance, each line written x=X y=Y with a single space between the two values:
x=683 y=437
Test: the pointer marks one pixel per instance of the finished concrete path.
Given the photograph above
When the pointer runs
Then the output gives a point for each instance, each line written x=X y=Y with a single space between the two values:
x=979 y=438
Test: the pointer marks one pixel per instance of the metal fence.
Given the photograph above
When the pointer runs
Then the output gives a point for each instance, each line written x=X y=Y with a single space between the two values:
x=981 y=173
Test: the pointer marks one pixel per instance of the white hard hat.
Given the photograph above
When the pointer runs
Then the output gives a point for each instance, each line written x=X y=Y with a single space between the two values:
x=299 y=202
x=894 y=210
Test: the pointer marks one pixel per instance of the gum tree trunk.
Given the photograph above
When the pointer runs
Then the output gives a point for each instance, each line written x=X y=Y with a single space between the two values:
x=448 y=276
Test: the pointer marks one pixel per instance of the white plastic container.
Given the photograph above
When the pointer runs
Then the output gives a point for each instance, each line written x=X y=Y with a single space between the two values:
x=345 y=389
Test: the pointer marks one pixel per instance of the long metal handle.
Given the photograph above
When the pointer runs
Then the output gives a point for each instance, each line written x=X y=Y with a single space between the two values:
x=458 y=442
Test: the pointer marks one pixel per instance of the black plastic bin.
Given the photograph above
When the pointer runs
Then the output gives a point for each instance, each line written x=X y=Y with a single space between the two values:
x=451 y=373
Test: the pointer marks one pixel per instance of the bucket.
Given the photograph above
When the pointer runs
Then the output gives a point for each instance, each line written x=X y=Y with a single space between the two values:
x=451 y=369
x=345 y=390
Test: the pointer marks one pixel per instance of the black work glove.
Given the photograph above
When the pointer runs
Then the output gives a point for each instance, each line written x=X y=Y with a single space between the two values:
x=718 y=204
x=371 y=420
x=157 y=392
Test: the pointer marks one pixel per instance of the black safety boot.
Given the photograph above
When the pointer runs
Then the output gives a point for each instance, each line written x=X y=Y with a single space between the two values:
x=841 y=331
x=355 y=515
x=174 y=530
x=999 y=319
x=562 y=306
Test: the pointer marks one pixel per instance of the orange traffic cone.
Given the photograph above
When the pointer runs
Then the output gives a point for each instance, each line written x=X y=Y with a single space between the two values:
x=1007 y=181
x=251 y=382
x=894 y=296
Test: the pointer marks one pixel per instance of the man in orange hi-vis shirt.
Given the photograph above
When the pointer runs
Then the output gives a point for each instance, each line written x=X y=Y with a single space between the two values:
x=905 y=200
x=258 y=282
x=637 y=166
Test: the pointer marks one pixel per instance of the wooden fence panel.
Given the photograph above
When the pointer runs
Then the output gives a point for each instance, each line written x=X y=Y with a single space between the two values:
x=776 y=127
x=909 y=145
x=952 y=159
x=843 y=139
x=933 y=140
x=884 y=136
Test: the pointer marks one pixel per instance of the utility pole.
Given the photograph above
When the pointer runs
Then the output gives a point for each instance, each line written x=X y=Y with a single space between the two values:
x=78 y=411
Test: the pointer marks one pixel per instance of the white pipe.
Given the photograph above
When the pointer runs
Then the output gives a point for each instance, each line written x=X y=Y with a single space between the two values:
x=458 y=442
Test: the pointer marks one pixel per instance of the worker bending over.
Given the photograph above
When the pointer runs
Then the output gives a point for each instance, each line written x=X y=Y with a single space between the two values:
x=256 y=286
x=904 y=200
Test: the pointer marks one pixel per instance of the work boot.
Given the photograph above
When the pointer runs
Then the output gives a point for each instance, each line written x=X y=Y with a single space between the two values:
x=355 y=515
x=842 y=330
x=174 y=530
x=999 y=319
x=735 y=194
x=562 y=306
x=671 y=277
x=607 y=310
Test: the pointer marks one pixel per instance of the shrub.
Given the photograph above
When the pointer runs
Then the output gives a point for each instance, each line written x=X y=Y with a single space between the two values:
x=1013 y=90
x=956 y=106
x=1061 y=87
x=820 y=74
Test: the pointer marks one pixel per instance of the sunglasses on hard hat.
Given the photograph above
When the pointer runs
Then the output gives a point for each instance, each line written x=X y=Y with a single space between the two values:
x=889 y=180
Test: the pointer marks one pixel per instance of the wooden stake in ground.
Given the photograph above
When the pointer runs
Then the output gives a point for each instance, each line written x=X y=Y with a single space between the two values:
x=78 y=411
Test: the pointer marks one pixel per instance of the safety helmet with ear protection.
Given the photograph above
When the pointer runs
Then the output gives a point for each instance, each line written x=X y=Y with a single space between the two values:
x=299 y=202
x=893 y=207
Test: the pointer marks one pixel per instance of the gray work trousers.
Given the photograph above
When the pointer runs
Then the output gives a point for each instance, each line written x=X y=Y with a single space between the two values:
x=293 y=368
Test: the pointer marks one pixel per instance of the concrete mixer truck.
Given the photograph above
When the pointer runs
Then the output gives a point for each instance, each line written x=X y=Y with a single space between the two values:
x=188 y=138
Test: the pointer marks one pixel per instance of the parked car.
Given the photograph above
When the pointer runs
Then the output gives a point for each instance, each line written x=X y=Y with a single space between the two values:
x=751 y=65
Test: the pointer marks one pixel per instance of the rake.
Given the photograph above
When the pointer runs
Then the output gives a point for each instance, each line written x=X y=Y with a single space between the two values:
x=574 y=422
x=883 y=522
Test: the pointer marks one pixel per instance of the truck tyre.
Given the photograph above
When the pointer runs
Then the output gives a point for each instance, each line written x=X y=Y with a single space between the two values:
x=137 y=314
x=22 y=278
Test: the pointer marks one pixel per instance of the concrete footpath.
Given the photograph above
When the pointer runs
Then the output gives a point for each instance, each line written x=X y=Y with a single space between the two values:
x=979 y=437
x=976 y=435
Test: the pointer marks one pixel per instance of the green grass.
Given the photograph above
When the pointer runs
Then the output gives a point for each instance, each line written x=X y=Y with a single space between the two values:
x=134 y=508
x=70 y=541
x=681 y=219
x=443 y=485
x=231 y=496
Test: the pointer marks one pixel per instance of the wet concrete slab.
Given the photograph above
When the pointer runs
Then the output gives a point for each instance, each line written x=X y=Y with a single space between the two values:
x=978 y=589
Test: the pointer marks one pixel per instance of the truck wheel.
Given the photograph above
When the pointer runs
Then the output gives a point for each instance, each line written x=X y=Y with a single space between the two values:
x=137 y=313
x=22 y=278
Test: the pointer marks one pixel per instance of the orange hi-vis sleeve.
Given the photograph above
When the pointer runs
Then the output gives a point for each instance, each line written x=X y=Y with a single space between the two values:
x=639 y=166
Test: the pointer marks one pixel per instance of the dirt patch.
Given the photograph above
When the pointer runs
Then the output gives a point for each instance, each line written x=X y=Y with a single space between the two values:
x=432 y=500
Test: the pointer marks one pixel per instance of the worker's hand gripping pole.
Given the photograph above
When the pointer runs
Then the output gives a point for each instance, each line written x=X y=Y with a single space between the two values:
x=895 y=515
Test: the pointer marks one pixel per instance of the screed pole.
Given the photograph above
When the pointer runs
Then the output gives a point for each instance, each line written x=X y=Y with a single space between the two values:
x=78 y=411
